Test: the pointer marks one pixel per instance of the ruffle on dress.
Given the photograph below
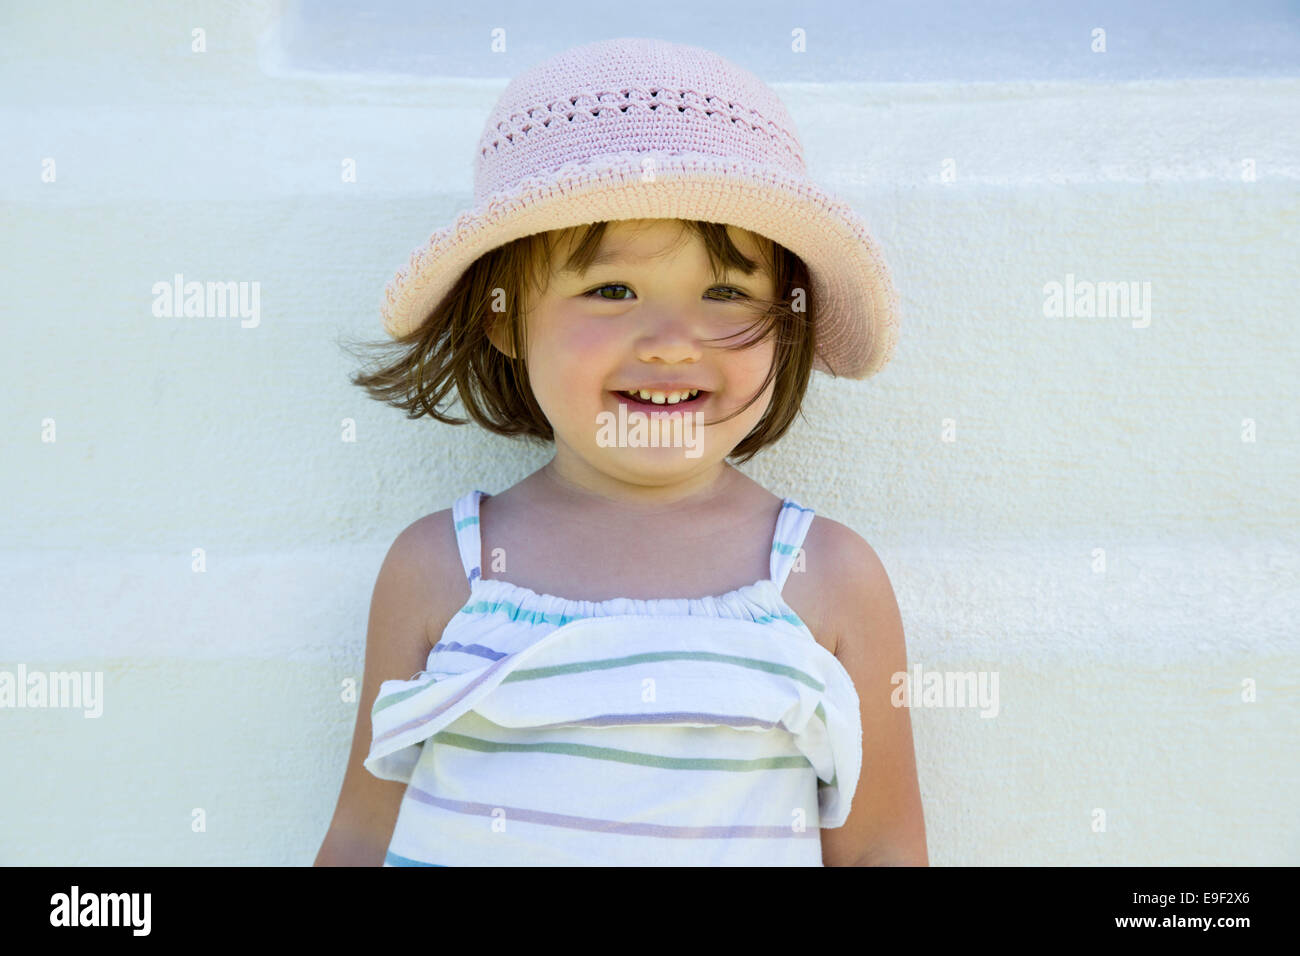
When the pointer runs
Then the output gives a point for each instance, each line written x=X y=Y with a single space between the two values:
x=621 y=671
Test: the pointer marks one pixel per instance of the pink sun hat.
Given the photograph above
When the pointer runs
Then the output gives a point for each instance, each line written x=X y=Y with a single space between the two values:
x=638 y=128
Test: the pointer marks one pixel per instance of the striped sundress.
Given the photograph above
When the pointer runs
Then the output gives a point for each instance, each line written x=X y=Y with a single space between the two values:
x=547 y=731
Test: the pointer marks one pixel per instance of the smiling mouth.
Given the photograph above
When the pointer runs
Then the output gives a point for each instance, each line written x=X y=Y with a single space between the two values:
x=640 y=404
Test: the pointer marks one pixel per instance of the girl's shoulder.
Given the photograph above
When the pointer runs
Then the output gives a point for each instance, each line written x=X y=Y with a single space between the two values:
x=428 y=550
x=842 y=575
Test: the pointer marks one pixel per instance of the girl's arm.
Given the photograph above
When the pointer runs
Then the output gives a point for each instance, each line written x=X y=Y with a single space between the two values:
x=412 y=594
x=886 y=826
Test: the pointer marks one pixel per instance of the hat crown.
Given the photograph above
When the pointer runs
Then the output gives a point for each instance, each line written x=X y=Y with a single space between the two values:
x=631 y=95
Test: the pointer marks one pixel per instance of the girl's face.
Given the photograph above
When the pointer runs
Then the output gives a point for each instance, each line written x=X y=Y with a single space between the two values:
x=639 y=318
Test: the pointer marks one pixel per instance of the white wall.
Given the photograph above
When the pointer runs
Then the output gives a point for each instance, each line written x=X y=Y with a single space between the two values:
x=1119 y=690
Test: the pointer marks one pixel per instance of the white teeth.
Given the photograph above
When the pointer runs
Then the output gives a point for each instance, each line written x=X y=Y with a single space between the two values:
x=664 y=398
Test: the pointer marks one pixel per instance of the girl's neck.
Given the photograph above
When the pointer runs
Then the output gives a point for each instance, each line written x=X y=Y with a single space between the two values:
x=705 y=496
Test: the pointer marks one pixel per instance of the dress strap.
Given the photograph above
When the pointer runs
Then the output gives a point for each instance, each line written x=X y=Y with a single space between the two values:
x=464 y=514
x=791 y=526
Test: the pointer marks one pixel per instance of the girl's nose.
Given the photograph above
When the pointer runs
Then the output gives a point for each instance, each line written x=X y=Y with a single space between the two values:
x=668 y=340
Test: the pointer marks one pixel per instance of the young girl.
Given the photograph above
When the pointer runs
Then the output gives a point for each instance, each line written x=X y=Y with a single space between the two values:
x=647 y=280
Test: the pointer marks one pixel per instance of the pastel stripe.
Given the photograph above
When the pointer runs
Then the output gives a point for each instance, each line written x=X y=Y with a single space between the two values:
x=698 y=717
x=658 y=761
x=595 y=824
x=479 y=650
x=517 y=612
x=393 y=859
x=440 y=709
x=538 y=673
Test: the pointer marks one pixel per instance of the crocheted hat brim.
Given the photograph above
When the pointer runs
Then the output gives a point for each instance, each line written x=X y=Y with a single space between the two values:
x=853 y=295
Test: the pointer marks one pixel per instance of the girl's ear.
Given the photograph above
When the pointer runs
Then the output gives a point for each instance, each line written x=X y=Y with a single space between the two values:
x=497 y=333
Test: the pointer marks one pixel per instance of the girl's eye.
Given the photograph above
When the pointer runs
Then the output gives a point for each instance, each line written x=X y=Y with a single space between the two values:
x=595 y=293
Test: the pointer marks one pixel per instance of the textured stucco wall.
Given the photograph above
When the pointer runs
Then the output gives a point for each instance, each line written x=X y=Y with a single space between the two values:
x=986 y=465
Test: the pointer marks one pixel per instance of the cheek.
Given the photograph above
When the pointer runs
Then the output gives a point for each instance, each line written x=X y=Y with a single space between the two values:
x=578 y=343
x=752 y=364
x=589 y=342
x=570 y=351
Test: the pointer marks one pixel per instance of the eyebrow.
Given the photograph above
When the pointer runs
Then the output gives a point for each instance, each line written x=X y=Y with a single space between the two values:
x=608 y=257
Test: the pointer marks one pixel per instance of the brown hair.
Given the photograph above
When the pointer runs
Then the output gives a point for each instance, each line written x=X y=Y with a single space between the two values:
x=452 y=348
